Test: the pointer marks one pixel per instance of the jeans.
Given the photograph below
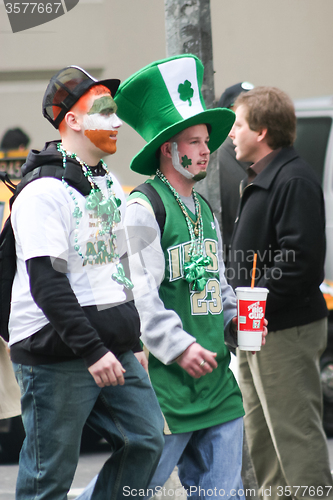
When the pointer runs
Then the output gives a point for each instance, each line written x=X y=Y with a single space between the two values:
x=57 y=400
x=209 y=461
x=209 y=464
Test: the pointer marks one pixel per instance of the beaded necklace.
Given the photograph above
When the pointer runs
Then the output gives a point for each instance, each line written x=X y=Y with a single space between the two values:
x=105 y=210
x=194 y=270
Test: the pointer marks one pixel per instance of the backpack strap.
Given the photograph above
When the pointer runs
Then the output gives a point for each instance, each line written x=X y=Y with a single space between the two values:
x=7 y=273
x=54 y=171
x=6 y=180
x=73 y=176
x=156 y=202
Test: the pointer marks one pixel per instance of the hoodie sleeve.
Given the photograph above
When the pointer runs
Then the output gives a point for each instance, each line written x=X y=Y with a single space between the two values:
x=53 y=294
x=41 y=219
x=161 y=329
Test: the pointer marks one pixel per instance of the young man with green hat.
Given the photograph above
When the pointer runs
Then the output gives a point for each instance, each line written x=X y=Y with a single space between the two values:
x=185 y=304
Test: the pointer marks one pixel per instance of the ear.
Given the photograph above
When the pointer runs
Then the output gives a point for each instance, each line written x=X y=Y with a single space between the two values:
x=262 y=135
x=71 y=121
x=166 y=149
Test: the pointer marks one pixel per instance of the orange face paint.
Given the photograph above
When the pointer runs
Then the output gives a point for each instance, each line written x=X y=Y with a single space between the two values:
x=105 y=140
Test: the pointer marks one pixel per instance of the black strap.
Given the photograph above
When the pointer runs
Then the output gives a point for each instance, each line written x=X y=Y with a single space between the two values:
x=157 y=204
x=6 y=180
x=54 y=171
x=155 y=201
x=74 y=177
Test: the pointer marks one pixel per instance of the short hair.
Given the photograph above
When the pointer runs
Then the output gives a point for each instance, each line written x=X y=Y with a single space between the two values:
x=14 y=138
x=271 y=108
x=81 y=104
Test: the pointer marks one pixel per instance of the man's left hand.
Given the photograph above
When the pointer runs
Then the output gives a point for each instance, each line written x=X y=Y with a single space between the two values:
x=264 y=333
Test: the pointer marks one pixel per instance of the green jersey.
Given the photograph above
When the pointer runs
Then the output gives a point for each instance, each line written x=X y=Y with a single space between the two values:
x=188 y=403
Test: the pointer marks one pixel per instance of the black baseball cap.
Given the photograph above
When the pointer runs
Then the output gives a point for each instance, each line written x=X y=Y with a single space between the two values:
x=230 y=94
x=65 y=89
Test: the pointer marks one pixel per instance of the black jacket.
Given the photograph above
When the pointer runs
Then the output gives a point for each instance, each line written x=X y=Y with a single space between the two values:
x=281 y=217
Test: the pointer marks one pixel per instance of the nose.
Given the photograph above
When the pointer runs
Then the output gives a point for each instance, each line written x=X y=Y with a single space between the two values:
x=232 y=133
x=117 y=122
x=205 y=149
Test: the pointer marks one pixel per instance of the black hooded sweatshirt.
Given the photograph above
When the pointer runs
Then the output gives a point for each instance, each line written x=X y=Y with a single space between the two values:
x=73 y=331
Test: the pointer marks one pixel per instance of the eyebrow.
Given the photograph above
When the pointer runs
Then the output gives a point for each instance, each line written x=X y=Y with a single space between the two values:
x=196 y=137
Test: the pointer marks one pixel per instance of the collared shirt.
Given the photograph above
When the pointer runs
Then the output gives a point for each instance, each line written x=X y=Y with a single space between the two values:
x=260 y=165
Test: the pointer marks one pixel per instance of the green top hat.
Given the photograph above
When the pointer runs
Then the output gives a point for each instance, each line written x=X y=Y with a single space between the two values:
x=164 y=98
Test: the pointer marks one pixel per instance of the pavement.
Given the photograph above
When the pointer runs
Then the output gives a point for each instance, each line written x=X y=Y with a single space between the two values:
x=171 y=490
x=88 y=467
x=90 y=464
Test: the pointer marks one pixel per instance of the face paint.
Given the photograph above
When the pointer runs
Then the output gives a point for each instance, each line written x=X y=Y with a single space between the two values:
x=105 y=140
x=180 y=167
x=104 y=105
x=176 y=163
x=190 y=155
x=100 y=124
x=201 y=175
x=186 y=161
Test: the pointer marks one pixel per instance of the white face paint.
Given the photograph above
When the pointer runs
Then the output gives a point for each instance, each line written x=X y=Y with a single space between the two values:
x=98 y=121
x=176 y=162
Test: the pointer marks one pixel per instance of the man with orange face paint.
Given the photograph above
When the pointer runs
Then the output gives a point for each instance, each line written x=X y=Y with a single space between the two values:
x=74 y=338
x=100 y=122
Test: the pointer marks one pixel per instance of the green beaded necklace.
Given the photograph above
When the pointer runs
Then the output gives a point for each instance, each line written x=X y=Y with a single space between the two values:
x=106 y=211
x=194 y=270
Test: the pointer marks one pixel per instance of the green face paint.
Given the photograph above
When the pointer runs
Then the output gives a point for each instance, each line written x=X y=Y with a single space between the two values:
x=201 y=175
x=104 y=106
x=186 y=161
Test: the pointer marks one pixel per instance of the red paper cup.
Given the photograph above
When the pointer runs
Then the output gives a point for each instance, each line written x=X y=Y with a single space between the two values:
x=251 y=305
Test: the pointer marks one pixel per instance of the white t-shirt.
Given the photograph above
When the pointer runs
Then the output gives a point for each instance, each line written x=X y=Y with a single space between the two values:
x=43 y=224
